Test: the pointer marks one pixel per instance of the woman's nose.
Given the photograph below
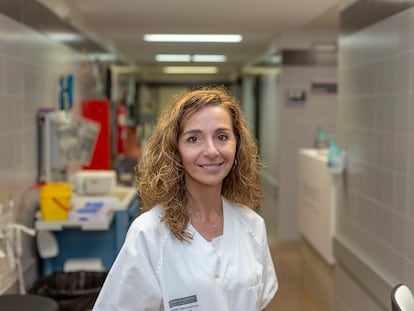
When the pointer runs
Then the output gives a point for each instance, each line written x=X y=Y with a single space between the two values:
x=210 y=148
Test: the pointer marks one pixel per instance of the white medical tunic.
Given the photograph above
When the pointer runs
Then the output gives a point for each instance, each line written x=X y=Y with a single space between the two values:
x=155 y=271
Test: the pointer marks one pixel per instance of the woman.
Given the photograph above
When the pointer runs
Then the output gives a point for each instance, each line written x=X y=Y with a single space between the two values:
x=199 y=245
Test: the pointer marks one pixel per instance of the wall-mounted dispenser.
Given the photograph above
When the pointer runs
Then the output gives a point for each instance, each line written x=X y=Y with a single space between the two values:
x=336 y=157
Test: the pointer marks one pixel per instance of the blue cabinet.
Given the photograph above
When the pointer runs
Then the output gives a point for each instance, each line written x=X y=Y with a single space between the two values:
x=83 y=242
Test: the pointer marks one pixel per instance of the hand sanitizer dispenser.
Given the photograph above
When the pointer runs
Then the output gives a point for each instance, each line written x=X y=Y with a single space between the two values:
x=336 y=157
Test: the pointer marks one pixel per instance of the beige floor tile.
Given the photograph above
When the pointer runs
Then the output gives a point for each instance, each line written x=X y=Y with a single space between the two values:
x=305 y=279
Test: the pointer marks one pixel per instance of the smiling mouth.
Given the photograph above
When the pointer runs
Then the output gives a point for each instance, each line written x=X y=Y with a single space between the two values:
x=210 y=166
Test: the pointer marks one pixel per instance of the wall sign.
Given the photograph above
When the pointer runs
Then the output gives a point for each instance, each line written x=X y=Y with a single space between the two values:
x=321 y=88
x=296 y=97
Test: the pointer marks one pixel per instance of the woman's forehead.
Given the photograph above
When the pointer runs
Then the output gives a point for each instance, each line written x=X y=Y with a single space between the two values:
x=213 y=112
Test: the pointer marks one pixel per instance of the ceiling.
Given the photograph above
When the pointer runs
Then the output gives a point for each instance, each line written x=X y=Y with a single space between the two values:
x=119 y=25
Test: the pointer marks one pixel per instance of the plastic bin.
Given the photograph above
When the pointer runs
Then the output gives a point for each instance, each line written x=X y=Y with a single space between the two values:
x=55 y=201
x=74 y=291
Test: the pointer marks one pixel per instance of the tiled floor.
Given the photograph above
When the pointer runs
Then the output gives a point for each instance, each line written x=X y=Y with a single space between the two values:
x=305 y=280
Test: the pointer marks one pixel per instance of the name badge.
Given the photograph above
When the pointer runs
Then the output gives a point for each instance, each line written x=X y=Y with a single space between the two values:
x=189 y=303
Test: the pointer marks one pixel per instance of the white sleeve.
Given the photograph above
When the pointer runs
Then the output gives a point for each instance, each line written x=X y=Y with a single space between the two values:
x=270 y=283
x=131 y=283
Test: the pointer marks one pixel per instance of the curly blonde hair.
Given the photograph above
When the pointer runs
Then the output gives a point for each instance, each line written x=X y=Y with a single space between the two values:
x=159 y=173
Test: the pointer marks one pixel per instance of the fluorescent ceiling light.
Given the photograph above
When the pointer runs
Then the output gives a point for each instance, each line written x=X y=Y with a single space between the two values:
x=173 y=57
x=190 y=58
x=103 y=57
x=192 y=38
x=65 y=37
x=209 y=58
x=261 y=70
x=190 y=70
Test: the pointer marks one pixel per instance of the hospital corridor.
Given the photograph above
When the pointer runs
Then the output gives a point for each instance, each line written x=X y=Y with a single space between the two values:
x=323 y=90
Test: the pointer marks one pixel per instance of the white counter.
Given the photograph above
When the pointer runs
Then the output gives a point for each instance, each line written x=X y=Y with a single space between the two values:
x=316 y=201
x=118 y=200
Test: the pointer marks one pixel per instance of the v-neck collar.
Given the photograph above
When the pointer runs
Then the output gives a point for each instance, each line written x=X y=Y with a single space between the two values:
x=226 y=227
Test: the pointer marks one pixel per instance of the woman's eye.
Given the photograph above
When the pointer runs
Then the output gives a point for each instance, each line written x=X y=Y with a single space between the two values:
x=222 y=137
x=192 y=139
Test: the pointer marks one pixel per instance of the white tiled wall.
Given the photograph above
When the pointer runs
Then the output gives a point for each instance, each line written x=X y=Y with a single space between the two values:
x=376 y=124
x=30 y=66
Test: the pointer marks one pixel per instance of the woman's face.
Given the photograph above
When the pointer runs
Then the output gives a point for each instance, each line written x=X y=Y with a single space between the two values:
x=207 y=147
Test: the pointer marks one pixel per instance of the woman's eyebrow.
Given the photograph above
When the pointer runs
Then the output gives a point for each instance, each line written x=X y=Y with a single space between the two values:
x=193 y=131
x=197 y=131
x=223 y=129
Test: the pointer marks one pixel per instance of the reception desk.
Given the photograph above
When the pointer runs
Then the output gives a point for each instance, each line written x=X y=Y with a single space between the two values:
x=316 y=202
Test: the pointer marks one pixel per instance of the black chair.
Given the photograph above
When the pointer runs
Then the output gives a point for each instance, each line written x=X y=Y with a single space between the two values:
x=401 y=298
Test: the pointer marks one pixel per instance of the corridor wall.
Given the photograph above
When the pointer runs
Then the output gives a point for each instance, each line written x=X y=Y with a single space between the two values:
x=30 y=67
x=269 y=127
x=375 y=215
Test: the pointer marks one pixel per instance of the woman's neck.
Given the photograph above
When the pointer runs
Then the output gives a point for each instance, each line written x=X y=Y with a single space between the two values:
x=205 y=201
x=205 y=210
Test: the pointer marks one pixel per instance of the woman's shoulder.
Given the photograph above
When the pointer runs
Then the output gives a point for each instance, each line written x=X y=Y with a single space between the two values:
x=242 y=210
x=145 y=237
x=149 y=222
x=246 y=215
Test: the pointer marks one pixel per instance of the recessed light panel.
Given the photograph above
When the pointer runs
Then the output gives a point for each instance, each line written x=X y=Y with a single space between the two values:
x=173 y=57
x=66 y=37
x=209 y=58
x=190 y=70
x=229 y=38
x=213 y=58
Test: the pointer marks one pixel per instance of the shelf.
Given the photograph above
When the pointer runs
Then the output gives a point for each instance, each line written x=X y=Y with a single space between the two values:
x=86 y=225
